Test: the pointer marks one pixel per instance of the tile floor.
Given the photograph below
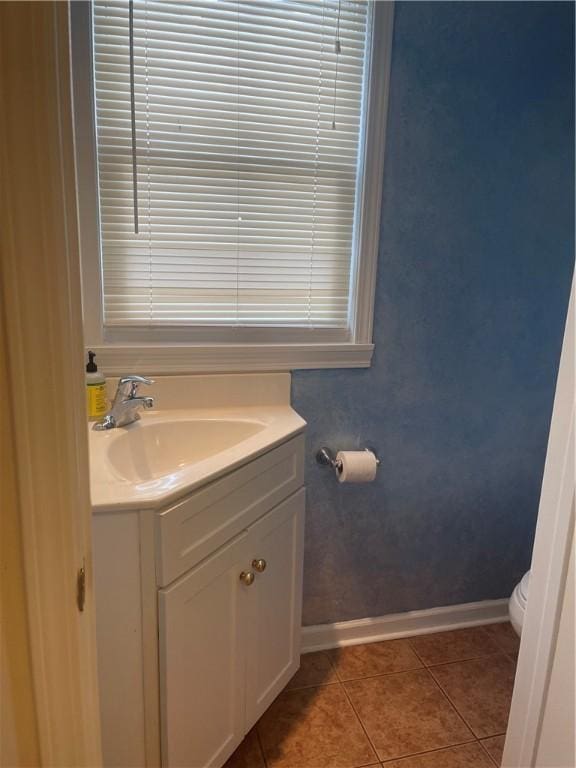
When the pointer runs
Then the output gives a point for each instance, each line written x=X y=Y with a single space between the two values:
x=432 y=701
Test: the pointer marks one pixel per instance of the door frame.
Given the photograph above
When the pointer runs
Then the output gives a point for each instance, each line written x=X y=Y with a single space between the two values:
x=45 y=412
x=549 y=567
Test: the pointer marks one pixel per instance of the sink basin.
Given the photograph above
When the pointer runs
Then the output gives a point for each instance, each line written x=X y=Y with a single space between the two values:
x=201 y=428
x=150 y=451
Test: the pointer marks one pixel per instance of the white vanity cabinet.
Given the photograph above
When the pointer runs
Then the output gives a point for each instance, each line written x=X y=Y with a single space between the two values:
x=275 y=606
x=227 y=648
x=203 y=624
x=199 y=612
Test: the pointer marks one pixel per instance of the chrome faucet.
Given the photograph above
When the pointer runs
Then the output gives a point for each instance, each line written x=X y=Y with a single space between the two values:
x=126 y=403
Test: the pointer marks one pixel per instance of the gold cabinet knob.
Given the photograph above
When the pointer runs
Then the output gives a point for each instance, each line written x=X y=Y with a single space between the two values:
x=259 y=565
x=247 y=578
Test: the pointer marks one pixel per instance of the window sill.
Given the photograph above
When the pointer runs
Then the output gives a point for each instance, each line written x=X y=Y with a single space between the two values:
x=116 y=359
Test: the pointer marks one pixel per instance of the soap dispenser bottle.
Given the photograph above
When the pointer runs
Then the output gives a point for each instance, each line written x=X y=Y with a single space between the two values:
x=96 y=401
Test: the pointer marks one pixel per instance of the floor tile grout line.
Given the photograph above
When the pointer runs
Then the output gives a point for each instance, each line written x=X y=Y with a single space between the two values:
x=424 y=664
x=488 y=753
x=378 y=674
x=504 y=650
x=259 y=740
x=497 y=641
x=463 y=661
x=361 y=722
x=316 y=685
x=490 y=736
x=312 y=685
x=483 y=631
x=333 y=667
x=455 y=661
x=372 y=745
x=452 y=704
x=341 y=685
x=420 y=659
x=468 y=741
x=428 y=751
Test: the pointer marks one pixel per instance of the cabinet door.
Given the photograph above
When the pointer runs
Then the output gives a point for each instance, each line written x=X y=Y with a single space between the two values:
x=202 y=660
x=275 y=604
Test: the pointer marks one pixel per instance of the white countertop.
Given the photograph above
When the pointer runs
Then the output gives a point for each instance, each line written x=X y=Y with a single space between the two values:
x=260 y=398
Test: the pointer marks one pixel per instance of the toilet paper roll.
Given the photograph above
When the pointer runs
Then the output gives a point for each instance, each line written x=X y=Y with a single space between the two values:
x=356 y=466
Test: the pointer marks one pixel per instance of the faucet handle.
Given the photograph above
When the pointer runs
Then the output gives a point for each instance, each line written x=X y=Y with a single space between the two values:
x=134 y=382
x=137 y=379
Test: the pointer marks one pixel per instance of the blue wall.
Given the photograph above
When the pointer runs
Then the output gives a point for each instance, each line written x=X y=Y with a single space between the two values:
x=476 y=254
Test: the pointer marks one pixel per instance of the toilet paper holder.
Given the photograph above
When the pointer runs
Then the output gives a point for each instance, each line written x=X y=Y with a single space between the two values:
x=325 y=457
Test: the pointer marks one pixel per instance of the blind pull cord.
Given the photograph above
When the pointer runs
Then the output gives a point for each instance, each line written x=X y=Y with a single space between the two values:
x=133 y=113
x=337 y=51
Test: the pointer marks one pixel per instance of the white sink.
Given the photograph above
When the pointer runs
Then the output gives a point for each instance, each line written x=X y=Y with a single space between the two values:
x=149 y=451
x=201 y=427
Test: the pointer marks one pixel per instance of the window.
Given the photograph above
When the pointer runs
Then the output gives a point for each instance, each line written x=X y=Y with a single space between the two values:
x=237 y=161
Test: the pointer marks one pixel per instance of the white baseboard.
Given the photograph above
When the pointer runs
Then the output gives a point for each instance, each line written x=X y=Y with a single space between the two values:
x=322 y=636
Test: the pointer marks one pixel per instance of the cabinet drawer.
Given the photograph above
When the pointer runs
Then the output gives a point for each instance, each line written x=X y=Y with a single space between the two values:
x=191 y=530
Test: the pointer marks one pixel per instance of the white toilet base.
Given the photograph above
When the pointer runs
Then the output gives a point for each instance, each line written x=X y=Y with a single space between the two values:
x=517 y=603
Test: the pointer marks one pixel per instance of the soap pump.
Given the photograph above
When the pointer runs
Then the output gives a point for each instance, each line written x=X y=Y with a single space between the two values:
x=96 y=401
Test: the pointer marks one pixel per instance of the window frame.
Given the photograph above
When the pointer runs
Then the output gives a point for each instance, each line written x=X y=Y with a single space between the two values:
x=201 y=349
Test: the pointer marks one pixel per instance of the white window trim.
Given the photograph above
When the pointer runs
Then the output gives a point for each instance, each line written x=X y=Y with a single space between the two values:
x=270 y=349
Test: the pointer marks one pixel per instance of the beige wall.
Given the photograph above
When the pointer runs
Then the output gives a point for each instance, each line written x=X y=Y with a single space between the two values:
x=18 y=726
x=44 y=496
x=18 y=731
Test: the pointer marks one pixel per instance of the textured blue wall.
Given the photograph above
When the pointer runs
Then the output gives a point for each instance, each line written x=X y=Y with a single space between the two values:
x=476 y=253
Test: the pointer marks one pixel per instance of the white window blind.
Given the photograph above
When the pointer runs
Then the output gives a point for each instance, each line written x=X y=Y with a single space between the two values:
x=228 y=139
